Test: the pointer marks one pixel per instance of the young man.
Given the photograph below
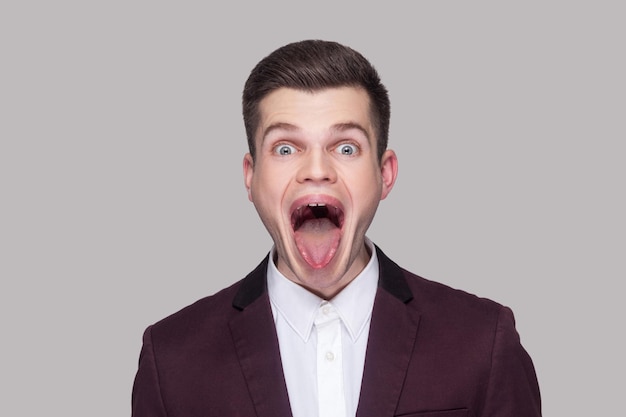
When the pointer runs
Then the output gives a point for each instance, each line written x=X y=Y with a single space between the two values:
x=327 y=325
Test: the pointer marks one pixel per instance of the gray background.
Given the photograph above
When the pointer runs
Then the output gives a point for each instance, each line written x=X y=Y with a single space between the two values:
x=122 y=196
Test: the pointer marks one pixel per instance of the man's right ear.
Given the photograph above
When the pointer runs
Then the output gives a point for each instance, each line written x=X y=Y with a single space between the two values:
x=248 y=173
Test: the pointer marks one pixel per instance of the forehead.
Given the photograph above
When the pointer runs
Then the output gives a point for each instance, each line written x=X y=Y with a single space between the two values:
x=318 y=110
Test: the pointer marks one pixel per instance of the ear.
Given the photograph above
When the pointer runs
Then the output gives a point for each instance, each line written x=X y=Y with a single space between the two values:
x=248 y=173
x=388 y=171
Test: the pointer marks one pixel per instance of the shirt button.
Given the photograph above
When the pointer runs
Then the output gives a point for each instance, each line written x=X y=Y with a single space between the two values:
x=330 y=356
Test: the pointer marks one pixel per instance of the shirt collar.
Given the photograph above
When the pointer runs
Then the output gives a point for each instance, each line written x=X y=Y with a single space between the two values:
x=298 y=306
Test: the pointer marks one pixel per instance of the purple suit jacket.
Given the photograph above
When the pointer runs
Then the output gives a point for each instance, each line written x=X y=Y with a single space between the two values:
x=432 y=352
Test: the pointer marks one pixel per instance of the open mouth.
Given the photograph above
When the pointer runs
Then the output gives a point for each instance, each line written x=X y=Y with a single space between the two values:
x=317 y=231
x=316 y=212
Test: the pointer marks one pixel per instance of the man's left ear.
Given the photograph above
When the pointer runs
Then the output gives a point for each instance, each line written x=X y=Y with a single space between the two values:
x=248 y=172
x=388 y=171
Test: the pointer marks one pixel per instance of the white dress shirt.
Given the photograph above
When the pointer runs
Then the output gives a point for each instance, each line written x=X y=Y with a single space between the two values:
x=295 y=310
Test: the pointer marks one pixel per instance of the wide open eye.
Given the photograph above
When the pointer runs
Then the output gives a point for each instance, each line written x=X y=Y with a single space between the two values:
x=347 y=149
x=284 y=149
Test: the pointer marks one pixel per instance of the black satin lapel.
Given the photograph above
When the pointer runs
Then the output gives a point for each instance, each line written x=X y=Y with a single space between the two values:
x=253 y=286
x=389 y=349
x=256 y=343
x=392 y=278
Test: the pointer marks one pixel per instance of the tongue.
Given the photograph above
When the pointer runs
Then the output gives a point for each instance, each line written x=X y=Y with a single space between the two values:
x=317 y=241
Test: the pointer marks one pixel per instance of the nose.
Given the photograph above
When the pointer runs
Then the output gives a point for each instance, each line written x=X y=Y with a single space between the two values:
x=316 y=166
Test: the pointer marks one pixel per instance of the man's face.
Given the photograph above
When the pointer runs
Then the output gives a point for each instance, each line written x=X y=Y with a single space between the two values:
x=316 y=183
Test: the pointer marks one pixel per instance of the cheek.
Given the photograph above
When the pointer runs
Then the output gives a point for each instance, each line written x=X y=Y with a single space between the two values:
x=365 y=183
x=267 y=194
x=271 y=189
x=366 y=192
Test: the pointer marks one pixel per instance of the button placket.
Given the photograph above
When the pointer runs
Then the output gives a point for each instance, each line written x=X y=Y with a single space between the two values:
x=329 y=362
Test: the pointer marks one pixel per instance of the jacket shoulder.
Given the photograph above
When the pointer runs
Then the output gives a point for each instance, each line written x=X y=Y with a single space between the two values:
x=454 y=306
x=215 y=311
x=205 y=313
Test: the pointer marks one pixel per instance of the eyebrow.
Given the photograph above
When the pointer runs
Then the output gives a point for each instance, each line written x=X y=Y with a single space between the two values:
x=342 y=127
x=337 y=128
x=278 y=126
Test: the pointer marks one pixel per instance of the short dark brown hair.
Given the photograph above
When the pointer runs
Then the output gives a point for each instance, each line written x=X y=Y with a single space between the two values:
x=313 y=65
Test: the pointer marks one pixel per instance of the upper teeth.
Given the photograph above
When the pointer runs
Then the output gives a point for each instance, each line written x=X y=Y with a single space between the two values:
x=317 y=205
